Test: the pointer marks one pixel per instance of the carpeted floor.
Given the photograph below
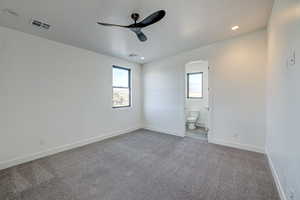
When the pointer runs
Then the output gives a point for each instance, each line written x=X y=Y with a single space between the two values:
x=143 y=165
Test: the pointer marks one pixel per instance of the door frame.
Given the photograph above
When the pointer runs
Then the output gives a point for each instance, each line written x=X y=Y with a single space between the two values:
x=210 y=98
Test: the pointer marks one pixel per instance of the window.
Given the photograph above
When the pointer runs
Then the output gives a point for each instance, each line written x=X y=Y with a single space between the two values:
x=121 y=87
x=195 y=85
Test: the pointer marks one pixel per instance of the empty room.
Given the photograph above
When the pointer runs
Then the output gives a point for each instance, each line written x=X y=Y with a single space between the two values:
x=149 y=100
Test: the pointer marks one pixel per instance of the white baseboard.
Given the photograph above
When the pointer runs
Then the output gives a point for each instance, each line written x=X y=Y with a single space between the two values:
x=214 y=141
x=237 y=145
x=165 y=131
x=276 y=178
x=31 y=157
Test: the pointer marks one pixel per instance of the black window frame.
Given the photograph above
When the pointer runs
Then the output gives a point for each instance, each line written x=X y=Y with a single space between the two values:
x=129 y=86
x=188 y=85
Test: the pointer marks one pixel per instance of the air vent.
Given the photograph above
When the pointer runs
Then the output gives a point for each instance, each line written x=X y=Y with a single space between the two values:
x=46 y=26
x=36 y=23
x=40 y=24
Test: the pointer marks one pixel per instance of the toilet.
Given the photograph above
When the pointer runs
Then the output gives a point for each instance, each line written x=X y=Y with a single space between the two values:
x=192 y=119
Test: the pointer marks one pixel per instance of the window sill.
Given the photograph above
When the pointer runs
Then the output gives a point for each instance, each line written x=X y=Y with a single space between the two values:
x=122 y=108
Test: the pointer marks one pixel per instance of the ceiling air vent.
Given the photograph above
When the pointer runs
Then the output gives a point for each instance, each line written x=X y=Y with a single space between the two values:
x=40 y=24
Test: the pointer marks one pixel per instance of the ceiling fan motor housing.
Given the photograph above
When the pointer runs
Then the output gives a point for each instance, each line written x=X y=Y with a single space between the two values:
x=135 y=16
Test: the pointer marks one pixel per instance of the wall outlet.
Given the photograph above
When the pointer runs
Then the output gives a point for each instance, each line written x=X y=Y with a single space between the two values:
x=291 y=61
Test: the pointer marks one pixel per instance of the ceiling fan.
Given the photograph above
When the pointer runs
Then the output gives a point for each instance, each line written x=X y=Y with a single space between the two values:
x=137 y=27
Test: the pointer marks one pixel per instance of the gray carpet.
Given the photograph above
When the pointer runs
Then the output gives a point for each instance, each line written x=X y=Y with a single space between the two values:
x=143 y=165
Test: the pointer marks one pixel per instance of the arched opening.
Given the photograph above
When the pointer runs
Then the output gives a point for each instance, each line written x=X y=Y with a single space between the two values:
x=197 y=108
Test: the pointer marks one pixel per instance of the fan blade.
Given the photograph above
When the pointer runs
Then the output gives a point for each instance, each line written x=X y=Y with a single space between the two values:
x=106 y=24
x=142 y=37
x=155 y=17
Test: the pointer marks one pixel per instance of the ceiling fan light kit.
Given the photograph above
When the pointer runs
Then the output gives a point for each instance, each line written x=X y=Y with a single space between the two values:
x=137 y=27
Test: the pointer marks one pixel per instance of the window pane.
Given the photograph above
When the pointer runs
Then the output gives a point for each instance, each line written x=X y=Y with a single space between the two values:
x=121 y=97
x=120 y=77
x=195 y=85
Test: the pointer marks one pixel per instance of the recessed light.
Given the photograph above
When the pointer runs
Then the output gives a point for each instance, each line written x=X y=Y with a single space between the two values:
x=234 y=28
x=142 y=58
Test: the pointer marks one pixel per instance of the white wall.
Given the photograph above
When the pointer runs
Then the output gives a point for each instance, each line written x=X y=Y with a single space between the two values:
x=283 y=135
x=237 y=80
x=200 y=104
x=53 y=95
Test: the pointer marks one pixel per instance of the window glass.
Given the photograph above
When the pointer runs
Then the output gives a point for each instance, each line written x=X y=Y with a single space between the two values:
x=195 y=85
x=121 y=87
x=120 y=77
x=120 y=97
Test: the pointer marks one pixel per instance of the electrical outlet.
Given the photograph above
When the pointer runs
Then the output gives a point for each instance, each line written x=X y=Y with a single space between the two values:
x=291 y=61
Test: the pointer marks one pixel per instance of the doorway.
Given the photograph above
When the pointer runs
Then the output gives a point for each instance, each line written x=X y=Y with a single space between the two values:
x=197 y=109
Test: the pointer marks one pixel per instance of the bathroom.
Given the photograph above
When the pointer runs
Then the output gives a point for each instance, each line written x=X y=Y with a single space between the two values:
x=197 y=99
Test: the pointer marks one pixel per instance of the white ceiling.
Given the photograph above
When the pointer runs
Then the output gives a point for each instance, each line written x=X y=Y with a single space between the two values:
x=187 y=25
